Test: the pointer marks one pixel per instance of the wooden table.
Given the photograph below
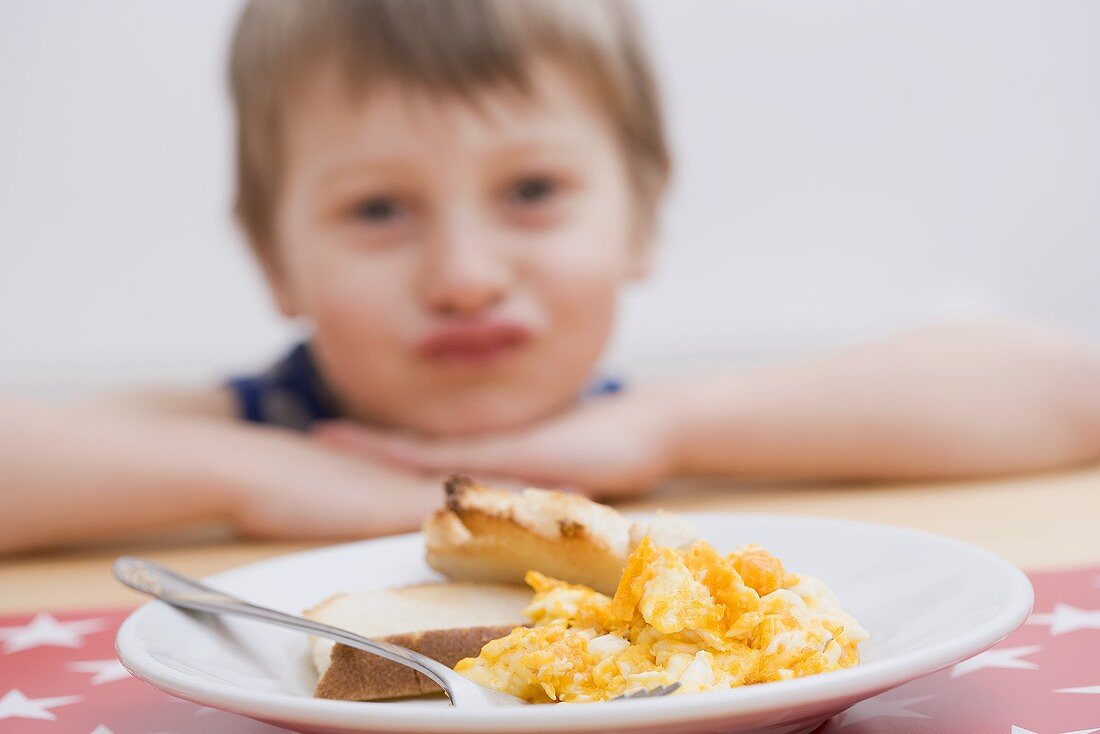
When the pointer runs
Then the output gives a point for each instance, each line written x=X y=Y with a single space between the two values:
x=1038 y=522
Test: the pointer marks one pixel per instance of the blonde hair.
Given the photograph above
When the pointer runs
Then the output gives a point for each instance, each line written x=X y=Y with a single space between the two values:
x=455 y=46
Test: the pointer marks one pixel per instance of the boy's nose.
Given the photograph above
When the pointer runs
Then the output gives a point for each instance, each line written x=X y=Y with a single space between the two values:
x=464 y=273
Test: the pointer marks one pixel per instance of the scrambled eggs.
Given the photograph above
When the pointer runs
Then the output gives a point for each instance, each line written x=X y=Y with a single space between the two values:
x=693 y=616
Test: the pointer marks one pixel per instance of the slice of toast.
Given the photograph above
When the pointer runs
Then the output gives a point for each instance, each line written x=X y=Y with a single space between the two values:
x=446 y=621
x=490 y=534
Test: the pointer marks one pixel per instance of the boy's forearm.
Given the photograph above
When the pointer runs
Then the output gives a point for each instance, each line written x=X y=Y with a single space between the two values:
x=953 y=401
x=72 y=474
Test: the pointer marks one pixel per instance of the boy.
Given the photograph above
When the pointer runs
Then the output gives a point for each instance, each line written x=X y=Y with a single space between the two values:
x=452 y=194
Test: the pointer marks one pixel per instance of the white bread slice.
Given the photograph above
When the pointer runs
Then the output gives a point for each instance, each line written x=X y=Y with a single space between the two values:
x=446 y=621
x=490 y=534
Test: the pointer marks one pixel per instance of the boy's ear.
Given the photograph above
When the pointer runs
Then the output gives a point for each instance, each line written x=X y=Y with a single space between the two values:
x=281 y=292
x=277 y=282
x=646 y=216
x=640 y=260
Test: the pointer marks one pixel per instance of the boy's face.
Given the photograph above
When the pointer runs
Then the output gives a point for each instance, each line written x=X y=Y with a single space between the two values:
x=460 y=262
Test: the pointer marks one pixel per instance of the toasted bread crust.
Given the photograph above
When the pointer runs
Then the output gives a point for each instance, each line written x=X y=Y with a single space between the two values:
x=490 y=534
x=354 y=675
x=501 y=550
x=490 y=611
x=453 y=488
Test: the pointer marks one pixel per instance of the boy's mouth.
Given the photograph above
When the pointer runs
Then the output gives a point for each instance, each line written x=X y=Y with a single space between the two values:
x=473 y=343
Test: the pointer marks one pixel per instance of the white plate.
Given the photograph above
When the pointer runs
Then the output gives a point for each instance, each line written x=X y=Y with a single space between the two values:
x=928 y=602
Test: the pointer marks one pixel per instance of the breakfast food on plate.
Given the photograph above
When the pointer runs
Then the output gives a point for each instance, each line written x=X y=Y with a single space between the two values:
x=447 y=622
x=619 y=606
x=489 y=534
x=694 y=617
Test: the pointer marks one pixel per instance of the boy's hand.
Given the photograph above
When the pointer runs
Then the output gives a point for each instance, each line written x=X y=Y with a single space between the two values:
x=287 y=486
x=613 y=446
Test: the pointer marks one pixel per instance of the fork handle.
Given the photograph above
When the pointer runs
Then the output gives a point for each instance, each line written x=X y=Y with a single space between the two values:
x=181 y=591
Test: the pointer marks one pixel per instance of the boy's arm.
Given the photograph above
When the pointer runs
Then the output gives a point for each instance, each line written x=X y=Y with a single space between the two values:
x=958 y=400
x=947 y=401
x=216 y=402
x=78 y=473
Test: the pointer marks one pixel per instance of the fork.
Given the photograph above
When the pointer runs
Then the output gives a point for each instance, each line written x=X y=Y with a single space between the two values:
x=188 y=593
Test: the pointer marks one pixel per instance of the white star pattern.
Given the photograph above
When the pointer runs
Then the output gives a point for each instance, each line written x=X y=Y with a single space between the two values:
x=1005 y=657
x=875 y=707
x=1083 y=689
x=14 y=705
x=1066 y=618
x=104 y=671
x=45 y=630
x=1022 y=730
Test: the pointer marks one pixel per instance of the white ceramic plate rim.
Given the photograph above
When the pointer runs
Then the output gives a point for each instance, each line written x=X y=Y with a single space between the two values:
x=863 y=680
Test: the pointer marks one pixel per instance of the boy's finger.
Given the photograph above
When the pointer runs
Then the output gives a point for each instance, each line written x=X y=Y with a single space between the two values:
x=479 y=456
x=406 y=451
x=521 y=457
x=517 y=457
x=343 y=434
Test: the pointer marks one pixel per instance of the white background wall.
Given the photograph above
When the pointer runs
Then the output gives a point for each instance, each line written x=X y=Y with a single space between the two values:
x=845 y=168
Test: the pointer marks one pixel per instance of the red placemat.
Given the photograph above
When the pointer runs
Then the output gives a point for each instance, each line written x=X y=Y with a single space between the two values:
x=59 y=675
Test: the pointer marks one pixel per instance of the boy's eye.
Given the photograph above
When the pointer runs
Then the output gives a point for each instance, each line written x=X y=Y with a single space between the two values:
x=378 y=210
x=532 y=190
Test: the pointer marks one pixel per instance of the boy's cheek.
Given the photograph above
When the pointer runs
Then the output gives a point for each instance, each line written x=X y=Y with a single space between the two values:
x=579 y=277
x=357 y=308
x=357 y=304
x=579 y=300
x=593 y=248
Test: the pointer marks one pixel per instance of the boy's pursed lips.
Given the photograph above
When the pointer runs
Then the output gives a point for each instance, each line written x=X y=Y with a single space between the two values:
x=473 y=342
